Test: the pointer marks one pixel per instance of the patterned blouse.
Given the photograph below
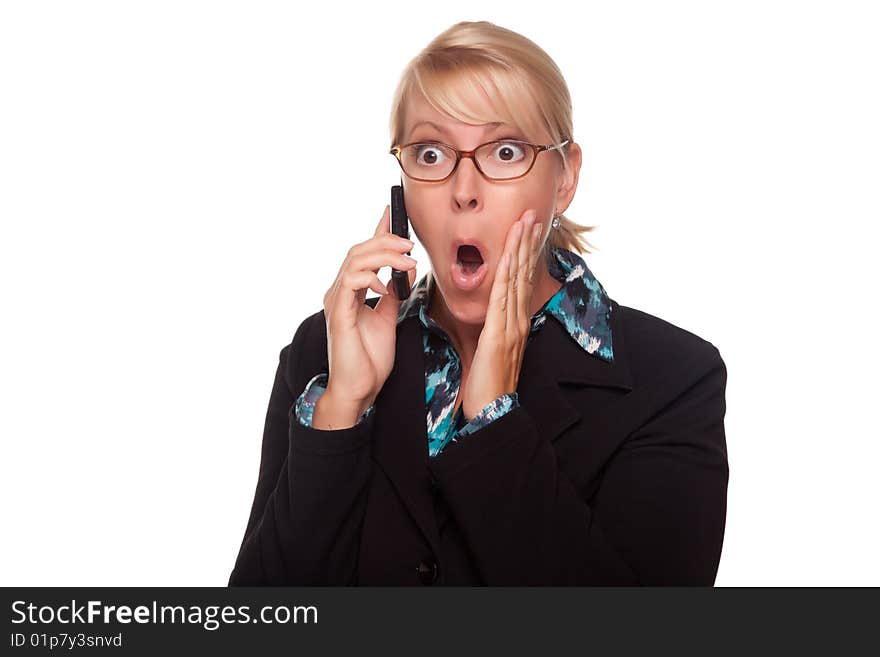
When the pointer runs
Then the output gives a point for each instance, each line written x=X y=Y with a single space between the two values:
x=581 y=305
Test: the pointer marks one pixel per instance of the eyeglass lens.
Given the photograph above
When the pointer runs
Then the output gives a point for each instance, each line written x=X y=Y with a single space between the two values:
x=499 y=160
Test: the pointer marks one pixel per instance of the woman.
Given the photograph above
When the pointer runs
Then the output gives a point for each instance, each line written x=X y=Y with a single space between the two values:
x=508 y=423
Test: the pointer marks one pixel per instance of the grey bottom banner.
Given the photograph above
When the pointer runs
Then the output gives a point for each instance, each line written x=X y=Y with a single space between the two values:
x=268 y=621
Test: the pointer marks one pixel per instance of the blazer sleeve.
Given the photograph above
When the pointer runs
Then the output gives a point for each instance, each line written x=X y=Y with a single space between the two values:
x=657 y=517
x=305 y=521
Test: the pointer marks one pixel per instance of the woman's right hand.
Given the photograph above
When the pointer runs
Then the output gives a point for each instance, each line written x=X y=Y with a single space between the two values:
x=361 y=340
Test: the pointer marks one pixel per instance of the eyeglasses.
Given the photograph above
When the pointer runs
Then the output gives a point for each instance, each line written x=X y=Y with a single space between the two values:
x=503 y=159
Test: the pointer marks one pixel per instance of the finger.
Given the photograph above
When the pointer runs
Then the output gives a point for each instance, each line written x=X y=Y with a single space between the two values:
x=382 y=228
x=522 y=256
x=512 y=291
x=349 y=296
x=411 y=276
x=496 y=313
x=532 y=271
x=390 y=298
x=384 y=223
x=537 y=231
x=387 y=240
x=360 y=281
x=522 y=274
x=382 y=239
x=394 y=241
x=375 y=260
x=367 y=263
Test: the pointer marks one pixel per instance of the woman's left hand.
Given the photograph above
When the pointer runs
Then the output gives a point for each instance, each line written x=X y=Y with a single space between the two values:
x=498 y=359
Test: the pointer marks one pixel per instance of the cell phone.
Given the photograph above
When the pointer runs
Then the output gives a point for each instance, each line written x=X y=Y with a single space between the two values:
x=399 y=226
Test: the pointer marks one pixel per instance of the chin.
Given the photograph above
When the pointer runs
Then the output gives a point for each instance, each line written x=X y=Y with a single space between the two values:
x=469 y=312
x=467 y=307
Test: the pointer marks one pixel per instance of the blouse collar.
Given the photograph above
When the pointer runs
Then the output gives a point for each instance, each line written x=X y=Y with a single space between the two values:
x=581 y=305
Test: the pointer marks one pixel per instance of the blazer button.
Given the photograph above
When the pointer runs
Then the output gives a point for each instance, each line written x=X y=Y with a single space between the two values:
x=428 y=571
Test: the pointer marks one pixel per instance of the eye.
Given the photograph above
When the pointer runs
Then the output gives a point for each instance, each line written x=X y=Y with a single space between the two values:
x=508 y=151
x=428 y=154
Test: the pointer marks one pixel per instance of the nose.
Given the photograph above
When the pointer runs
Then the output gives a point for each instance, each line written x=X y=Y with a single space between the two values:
x=465 y=184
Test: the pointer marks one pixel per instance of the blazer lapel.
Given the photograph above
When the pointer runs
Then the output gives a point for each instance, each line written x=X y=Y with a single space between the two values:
x=552 y=357
x=400 y=443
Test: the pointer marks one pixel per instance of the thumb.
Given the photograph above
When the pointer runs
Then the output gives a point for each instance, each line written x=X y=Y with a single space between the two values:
x=389 y=305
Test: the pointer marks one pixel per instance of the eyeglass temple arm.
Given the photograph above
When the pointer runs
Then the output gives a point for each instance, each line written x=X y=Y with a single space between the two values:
x=551 y=148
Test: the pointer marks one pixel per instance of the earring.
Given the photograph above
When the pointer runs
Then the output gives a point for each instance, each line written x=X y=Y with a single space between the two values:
x=555 y=223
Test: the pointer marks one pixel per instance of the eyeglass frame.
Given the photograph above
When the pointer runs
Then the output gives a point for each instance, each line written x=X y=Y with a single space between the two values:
x=537 y=149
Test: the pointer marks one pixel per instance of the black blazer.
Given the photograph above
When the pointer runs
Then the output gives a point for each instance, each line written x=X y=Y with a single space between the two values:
x=607 y=473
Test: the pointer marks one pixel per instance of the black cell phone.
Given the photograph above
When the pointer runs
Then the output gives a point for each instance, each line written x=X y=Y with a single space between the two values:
x=399 y=226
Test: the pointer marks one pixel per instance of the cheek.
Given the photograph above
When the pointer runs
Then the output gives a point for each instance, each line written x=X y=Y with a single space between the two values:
x=421 y=221
x=427 y=235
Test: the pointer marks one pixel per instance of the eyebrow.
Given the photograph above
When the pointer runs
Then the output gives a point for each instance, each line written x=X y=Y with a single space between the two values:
x=439 y=128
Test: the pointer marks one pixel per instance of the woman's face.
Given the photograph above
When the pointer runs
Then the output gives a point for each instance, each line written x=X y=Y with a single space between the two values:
x=467 y=208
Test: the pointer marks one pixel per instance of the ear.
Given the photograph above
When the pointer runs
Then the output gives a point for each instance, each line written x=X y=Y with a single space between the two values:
x=568 y=179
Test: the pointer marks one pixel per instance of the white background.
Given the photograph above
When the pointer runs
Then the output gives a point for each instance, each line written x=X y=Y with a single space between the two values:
x=171 y=212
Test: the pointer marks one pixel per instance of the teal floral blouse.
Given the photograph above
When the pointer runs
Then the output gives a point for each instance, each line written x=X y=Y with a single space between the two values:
x=581 y=305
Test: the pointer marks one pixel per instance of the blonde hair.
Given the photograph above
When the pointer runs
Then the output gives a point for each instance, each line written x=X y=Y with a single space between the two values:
x=471 y=62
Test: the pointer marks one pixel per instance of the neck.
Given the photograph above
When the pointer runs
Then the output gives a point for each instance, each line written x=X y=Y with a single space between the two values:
x=465 y=337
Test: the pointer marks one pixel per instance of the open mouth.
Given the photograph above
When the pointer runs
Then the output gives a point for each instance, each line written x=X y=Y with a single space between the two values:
x=469 y=269
x=469 y=258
